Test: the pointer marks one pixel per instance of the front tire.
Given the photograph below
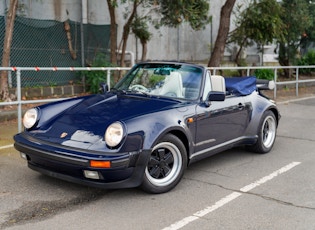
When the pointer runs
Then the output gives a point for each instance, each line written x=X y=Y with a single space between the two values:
x=166 y=166
x=267 y=131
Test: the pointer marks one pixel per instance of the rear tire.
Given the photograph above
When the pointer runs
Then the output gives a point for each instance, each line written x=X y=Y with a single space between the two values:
x=267 y=131
x=166 y=166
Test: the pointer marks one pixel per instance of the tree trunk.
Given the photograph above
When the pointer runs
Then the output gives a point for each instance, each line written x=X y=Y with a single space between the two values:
x=238 y=58
x=113 y=35
x=223 y=32
x=144 y=50
x=284 y=58
x=126 y=33
x=4 y=89
x=113 y=32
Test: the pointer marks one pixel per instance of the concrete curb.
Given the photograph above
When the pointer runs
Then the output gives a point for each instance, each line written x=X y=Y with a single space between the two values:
x=295 y=100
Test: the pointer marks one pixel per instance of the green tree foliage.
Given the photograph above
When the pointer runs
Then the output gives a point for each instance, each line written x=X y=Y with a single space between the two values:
x=298 y=19
x=174 y=12
x=288 y=22
x=306 y=60
x=141 y=30
x=259 y=22
x=266 y=74
x=195 y=12
x=308 y=37
x=94 y=79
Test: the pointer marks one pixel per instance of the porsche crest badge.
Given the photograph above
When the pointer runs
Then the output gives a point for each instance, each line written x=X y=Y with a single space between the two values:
x=63 y=135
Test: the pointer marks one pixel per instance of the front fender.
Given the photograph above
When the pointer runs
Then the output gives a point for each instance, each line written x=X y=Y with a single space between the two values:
x=155 y=126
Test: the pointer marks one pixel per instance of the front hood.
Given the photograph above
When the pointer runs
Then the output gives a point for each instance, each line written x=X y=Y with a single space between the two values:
x=86 y=122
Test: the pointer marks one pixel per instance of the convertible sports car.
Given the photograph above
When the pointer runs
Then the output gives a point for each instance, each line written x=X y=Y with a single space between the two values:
x=145 y=131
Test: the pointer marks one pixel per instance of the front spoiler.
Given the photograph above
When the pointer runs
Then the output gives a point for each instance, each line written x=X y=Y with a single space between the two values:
x=127 y=169
x=133 y=181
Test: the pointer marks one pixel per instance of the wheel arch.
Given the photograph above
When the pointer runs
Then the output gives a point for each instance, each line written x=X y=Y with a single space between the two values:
x=183 y=138
x=257 y=116
x=276 y=113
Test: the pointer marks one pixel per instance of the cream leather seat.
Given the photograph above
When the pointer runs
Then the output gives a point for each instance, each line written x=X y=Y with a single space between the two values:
x=173 y=85
x=217 y=83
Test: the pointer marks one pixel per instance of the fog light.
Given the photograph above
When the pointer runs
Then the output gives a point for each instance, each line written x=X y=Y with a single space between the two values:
x=91 y=174
x=23 y=155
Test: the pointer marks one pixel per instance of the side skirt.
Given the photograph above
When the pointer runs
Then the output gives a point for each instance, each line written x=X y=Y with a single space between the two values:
x=245 y=140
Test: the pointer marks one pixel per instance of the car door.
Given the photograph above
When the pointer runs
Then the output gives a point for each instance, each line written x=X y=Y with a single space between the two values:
x=221 y=122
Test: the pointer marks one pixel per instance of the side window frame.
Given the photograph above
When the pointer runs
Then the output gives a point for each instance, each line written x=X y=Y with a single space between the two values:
x=207 y=87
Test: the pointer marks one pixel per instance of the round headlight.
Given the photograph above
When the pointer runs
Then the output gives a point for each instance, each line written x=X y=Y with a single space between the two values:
x=30 y=118
x=114 y=134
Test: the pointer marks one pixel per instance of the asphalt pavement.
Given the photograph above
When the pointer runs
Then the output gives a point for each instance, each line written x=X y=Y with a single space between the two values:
x=235 y=189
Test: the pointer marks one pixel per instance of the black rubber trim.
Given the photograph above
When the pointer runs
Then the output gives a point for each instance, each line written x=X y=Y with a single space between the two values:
x=44 y=154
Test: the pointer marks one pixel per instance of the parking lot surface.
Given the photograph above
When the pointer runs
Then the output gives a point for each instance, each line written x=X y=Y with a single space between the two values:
x=231 y=190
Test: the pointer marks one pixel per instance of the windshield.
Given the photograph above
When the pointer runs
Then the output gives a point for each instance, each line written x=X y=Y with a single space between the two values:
x=160 y=79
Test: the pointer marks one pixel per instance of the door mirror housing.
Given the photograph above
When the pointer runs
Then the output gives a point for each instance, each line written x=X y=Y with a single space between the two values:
x=104 y=87
x=216 y=96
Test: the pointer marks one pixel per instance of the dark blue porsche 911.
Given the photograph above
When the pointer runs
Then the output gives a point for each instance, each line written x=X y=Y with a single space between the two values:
x=145 y=131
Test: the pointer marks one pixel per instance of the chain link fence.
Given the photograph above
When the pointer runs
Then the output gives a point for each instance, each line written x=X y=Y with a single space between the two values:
x=49 y=43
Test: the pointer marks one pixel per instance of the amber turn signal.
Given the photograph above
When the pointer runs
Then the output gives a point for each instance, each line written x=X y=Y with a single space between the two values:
x=100 y=164
x=190 y=120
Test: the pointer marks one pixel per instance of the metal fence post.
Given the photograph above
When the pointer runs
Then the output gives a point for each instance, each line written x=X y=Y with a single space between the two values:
x=108 y=78
x=297 y=82
x=275 y=79
x=18 y=84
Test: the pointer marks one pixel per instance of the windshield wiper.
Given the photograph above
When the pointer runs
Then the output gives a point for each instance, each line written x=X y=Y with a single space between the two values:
x=137 y=92
x=118 y=90
x=130 y=91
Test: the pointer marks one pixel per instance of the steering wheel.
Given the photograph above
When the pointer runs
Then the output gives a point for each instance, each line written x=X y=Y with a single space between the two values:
x=140 y=88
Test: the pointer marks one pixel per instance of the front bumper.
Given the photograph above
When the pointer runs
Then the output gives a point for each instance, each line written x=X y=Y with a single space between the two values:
x=127 y=169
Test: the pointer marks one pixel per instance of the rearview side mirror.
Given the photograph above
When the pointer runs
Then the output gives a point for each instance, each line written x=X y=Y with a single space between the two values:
x=104 y=87
x=216 y=96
